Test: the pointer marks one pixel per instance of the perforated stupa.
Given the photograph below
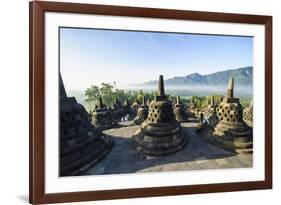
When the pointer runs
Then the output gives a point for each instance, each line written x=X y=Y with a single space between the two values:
x=160 y=133
x=81 y=145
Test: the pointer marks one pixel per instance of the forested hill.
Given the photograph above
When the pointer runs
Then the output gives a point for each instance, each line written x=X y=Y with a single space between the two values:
x=242 y=76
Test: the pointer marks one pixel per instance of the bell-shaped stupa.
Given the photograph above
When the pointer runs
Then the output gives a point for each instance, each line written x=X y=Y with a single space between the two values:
x=160 y=133
x=134 y=108
x=141 y=113
x=128 y=110
x=192 y=104
x=148 y=102
x=208 y=118
x=81 y=145
x=180 y=111
x=212 y=104
x=117 y=111
x=101 y=117
x=248 y=115
x=126 y=104
x=232 y=132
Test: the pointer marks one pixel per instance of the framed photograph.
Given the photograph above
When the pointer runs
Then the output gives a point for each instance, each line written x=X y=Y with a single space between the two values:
x=139 y=102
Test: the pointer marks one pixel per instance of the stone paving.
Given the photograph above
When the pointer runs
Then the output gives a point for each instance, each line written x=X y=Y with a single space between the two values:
x=197 y=155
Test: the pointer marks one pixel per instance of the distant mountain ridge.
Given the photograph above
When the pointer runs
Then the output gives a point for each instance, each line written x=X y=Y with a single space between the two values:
x=242 y=76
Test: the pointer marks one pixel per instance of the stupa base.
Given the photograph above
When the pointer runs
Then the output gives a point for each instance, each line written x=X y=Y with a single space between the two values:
x=234 y=137
x=180 y=114
x=138 y=121
x=155 y=140
x=82 y=156
x=182 y=119
x=105 y=126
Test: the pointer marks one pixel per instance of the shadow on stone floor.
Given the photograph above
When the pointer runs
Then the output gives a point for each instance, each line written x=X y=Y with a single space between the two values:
x=125 y=159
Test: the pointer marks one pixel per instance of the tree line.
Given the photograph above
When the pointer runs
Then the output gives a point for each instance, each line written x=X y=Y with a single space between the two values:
x=109 y=95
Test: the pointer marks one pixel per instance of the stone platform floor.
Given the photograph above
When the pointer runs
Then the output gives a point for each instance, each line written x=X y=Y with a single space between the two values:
x=196 y=155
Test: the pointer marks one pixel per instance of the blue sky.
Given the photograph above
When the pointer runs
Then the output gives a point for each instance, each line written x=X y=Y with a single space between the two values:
x=91 y=56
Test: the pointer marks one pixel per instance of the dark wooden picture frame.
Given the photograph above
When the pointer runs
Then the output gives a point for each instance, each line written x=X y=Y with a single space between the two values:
x=37 y=96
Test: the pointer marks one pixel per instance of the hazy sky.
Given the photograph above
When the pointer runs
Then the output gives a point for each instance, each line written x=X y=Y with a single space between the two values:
x=90 y=56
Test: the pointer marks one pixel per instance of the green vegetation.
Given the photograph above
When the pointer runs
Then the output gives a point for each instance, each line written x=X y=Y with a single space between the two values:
x=245 y=101
x=205 y=100
x=109 y=94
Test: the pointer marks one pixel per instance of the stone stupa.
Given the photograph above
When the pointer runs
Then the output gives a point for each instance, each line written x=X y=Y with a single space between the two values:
x=231 y=132
x=128 y=111
x=212 y=104
x=208 y=118
x=192 y=105
x=210 y=111
x=134 y=108
x=142 y=113
x=136 y=104
x=148 y=102
x=117 y=111
x=81 y=145
x=191 y=109
x=160 y=133
x=101 y=117
x=248 y=115
x=180 y=111
x=126 y=104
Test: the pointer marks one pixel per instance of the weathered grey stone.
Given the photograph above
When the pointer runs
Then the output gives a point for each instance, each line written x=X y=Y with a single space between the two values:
x=128 y=110
x=141 y=113
x=101 y=117
x=134 y=108
x=148 y=102
x=232 y=133
x=117 y=111
x=160 y=133
x=125 y=159
x=248 y=115
x=212 y=104
x=180 y=111
x=81 y=145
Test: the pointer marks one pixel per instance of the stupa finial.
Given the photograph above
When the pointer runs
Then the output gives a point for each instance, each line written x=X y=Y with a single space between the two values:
x=62 y=89
x=212 y=103
x=143 y=100
x=161 y=91
x=100 y=102
x=230 y=88
x=148 y=102
x=178 y=100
